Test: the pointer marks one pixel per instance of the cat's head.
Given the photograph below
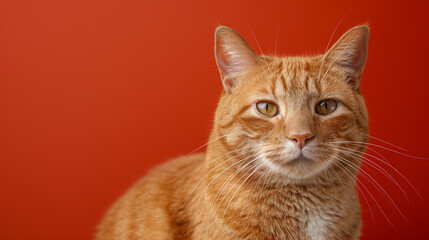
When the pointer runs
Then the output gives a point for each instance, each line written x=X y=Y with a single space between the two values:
x=291 y=113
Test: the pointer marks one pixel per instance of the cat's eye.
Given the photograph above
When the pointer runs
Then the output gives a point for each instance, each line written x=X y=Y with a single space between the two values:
x=266 y=108
x=326 y=107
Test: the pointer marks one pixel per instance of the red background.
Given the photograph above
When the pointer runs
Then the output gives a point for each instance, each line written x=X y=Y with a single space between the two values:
x=95 y=93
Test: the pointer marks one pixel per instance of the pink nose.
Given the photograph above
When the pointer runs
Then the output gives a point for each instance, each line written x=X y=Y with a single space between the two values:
x=300 y=139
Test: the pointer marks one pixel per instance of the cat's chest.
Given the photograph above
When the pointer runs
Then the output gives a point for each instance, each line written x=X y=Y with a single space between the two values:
x=283 y=222
x=300 y=216
x=317 y=225
x=290 y=213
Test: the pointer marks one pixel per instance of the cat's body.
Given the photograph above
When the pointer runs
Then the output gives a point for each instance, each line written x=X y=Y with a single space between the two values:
x=152 y=209
x=267 y=176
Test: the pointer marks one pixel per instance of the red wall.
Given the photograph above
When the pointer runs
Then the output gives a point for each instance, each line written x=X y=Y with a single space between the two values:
x=95 y=93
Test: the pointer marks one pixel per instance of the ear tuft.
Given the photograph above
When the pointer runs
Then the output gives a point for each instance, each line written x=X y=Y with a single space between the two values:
x=233 y=56
x=350 y=53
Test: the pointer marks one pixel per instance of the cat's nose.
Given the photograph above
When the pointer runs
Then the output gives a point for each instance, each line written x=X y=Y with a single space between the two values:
x=301 y=139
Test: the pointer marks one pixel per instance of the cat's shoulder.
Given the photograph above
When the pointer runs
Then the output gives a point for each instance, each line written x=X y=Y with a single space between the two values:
x=175 y=168
x=164 y=179
x=182 y=163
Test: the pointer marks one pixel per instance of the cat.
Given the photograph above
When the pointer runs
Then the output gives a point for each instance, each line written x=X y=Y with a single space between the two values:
x=274 y=166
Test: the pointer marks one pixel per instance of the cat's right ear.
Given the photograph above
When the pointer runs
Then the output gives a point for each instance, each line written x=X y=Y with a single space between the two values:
x=350 y=53
x=233 y=56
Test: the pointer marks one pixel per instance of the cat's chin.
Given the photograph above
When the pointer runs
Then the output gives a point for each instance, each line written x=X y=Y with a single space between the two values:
x=301 y=168
x=300 y=160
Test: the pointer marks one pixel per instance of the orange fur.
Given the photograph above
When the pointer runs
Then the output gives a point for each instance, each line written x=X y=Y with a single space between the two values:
x=254 y=182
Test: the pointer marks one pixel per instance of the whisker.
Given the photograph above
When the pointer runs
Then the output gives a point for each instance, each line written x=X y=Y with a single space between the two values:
x=360 y=190
x=363 y=185
x=386 y=148
x=225 y=171
x=372 y=150
x=189 y=195
x=386 y=142
x=373 y=181
x=396 y=170
x=220 y=191
x=375 y=166
x=266 y=180
x=330 y=39
x=239 y=189
x=341 y=53
x=264 y=173
x=260 y=49
x=268 y=173
x=236 y=184
x=212 y=211
x=198 y=148
x=277 y=37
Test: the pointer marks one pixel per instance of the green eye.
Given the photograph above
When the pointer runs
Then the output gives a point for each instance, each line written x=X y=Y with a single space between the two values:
x=326 y=107
x=268 y=109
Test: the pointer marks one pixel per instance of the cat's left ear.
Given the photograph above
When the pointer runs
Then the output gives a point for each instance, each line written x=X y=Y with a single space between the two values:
x=350 y=53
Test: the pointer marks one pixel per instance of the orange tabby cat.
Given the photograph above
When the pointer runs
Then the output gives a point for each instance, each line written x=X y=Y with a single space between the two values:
x=274 y=167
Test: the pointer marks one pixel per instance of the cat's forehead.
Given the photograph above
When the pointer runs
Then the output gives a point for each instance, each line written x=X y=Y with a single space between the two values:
x=288 y=76
x=294 y=80
x=295 y=86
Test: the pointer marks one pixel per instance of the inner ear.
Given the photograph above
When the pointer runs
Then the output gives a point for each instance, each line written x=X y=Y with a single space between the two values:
x=350 y=54
x=234 y=56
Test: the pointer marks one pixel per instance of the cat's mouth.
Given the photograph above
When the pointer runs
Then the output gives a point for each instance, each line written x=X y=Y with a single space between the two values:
x=301 y=167
x=300 y=160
